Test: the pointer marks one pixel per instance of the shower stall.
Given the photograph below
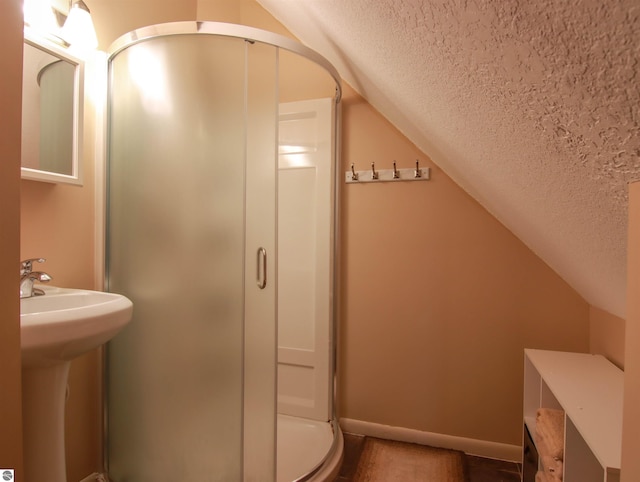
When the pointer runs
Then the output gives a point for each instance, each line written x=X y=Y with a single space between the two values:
x=221 y=208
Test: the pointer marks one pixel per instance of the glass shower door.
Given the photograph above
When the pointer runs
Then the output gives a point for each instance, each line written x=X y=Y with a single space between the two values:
x=260 y=304
x=191 y=239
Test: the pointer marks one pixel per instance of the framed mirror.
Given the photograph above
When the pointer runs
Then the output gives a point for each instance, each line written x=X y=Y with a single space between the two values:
x=52 y=112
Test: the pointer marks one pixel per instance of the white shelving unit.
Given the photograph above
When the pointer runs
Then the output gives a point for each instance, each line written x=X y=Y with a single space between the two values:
x=589 y=389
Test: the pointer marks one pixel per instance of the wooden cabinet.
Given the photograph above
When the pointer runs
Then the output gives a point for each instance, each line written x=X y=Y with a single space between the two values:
x=589 y=389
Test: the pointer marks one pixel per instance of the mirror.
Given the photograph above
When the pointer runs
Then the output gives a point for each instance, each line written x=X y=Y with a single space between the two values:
x=52 y=107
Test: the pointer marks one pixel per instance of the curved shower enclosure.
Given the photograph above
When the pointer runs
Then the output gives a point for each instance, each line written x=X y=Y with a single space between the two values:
x=221 y=207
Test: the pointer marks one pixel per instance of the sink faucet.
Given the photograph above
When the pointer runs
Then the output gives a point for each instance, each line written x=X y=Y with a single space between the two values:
x=28 y=277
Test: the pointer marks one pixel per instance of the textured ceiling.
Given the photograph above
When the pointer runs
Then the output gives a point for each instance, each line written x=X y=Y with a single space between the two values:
x=532 y=107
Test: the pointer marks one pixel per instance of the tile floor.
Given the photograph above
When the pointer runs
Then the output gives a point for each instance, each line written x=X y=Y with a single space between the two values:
x=479 y=469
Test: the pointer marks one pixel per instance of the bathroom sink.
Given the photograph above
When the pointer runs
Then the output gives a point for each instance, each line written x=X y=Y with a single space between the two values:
x=65 y=323
x=56 y=327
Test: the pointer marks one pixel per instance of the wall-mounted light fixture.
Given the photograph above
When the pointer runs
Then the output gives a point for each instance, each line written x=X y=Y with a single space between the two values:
x=64 y=21
x=78 y=30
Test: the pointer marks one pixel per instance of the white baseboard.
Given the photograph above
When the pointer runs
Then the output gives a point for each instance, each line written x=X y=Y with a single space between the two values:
x=481 y=448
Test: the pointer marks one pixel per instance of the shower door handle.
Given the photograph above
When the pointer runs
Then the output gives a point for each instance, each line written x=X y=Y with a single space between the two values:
x=261 y=268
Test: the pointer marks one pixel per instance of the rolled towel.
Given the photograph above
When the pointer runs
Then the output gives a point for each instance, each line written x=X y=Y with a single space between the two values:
x=541 y=476
x=549 y=434
x=553 y=468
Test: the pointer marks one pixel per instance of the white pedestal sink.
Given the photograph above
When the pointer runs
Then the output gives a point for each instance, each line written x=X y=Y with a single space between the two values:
x=56 y=328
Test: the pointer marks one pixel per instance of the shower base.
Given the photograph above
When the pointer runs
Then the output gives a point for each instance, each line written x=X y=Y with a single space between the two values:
x=303 y=444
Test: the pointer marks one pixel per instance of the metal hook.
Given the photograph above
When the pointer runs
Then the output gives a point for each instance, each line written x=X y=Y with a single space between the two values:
x=374 y=174
x=417 y=173
x=354 y=174
x=396 y=174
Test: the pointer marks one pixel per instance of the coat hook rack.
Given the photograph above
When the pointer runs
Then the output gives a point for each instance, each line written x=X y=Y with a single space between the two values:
x=385 y=175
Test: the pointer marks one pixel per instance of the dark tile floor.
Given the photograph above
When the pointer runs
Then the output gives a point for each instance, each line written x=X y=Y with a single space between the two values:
x=479 y=469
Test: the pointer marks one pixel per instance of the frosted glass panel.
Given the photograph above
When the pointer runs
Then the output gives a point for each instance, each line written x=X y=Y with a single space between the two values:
x=194 y=194
x=260 y=314
x=176 y=248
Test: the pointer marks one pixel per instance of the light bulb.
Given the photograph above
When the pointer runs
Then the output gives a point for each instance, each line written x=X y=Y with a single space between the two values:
x=78 y=30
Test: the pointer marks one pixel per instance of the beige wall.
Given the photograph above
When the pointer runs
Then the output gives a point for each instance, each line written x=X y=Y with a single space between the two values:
x=606 y=335
x=439 y=299
x=10 y=106
x=243 y=12
x=631 y=419
x=57 y=224
x=117 y=17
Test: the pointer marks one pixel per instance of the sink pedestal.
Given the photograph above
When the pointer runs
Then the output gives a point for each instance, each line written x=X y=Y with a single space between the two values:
x=44 y=391
x=55 y=329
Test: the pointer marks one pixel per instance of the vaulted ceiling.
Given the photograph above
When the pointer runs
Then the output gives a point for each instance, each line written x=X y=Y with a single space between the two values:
x=532 y=107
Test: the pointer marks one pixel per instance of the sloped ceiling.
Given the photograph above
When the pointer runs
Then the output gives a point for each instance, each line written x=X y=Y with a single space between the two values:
x=531 y=107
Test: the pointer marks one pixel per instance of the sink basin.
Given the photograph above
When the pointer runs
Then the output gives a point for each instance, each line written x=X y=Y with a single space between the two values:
x=56 y=327
x=65 y=323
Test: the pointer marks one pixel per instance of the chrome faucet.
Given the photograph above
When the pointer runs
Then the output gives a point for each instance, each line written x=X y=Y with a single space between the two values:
x=28 y=277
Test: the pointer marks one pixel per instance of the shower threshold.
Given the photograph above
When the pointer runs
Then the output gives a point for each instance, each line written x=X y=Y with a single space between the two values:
x=302 y=445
